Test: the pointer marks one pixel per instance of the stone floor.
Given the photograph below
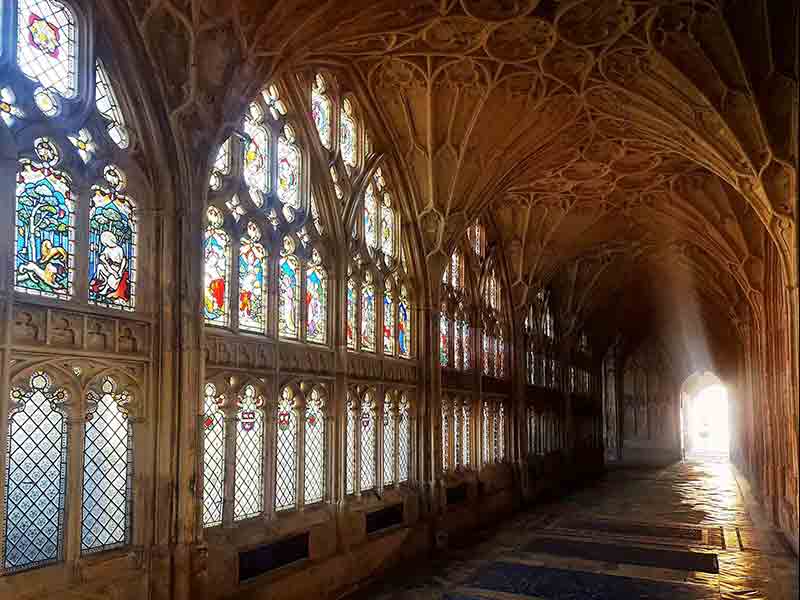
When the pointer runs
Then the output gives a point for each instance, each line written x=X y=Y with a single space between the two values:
x=680 y=532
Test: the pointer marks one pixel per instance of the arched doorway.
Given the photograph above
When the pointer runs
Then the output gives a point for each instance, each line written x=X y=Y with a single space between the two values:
x=705 y=422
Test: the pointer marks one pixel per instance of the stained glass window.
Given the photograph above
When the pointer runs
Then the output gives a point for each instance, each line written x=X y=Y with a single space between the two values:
x=316 y=300
x=370 y=217
x=368 y=440
x=314 y=448
x=389 y=424
x=387 y=226
x=288 y=169
x=213 y=457
x=466 y=342
x=35 y=475
x=252 y=280
x=485 y=432
x=444 y=338
x=466 y=422
x=486 y=352
x=368 y=316
x=45 y=225
x=445 y=435
x=403 y=325
x=321 y=110
x=403 y=439
x=500 y=433
x=458 y=433
x=248 y=493
x=217 y=260
x=350 y=446
x=107 y=105
x=500 y=355
x=456 y=274
x=9 y=111
x=388 y=319
x=289 y=291
x=348 y=135
x=107 y=471
x=315 y=216
x=286 y=452
x=475 y=234
x=112 y=243
x=458 y=345
x=352 y=312
x=221 y=167
x=46 y=45
x=256 y=157
x=84 y=144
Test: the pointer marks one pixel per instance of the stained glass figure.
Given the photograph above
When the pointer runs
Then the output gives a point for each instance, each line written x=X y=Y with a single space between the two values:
x=444 y=338
x=368 y=315
x=389 y=425
x=9 y=111
x=350 y=447
x=288 y=169
x=256 y=160
x=248 y=498
x=46 y=44
x=403 y=439
x=213 y=457
x=84 y=144
x=445 y=435
x=403 y=325
x=370 y=217
x=45 y=225
x=387 y=227
x=348 y=135
x=388 y=319
x=221 y=166
x=107 y=471
x=272 y=98
x=352 y=312
x=289 y=292
x=286 y=452
x=316 y=300
x=252 y=281
x=107 y=105
x=112 y=243
x=368 y=440
x=216 y=261
x=35 y=475
x=314 y=448
x=466 y=421
x=321 y=110
x=485 y=432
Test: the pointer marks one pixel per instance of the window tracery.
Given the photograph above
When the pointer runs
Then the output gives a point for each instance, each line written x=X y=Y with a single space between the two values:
x=455 y=333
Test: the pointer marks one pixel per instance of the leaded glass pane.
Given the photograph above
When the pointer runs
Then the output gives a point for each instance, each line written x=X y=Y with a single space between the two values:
x=316 y=301
x=289 y=292
x=458 y=432
x=107 y=472
x=45 y=226
x=112 y=243
x=314 y=471
x=256 y=159
x=286 y=452
x=248 y=492
x=444 y=339
x=445 y=435
x=9 y=111
x=389 y=424
x=368 y=318
x=466 y=437
x=216 y=260
x=321 y=111
x=368 y=440
x=221 y=167
x=35 y=475
x=500 y=433
x=47 y=51
x=107 y=105
x=486 y=354
x=458 y=343
x=403 y=326
x=455 y=270
x=403 y=440
x=350 y=446
x=213 y=457
x=466 y=343
x=387 y=227
x=500 y=355
x=388 y=321
x=352 y=312
x=486 y=448
x=348 y=134
x=288 y=169
x=252 y=281
x=370 y=217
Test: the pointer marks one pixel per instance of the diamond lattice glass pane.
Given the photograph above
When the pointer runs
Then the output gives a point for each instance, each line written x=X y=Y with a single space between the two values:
x=350 y=448
x=213 y=458
x=46 y=44
x=314 y=472
x=445 y=436
x=368 y=439
x=486 y=449
x=106 y=101
x=458 y=432
x=389 y=425
x=403 y=440
x=501 y=432
x=286 y=453
x=248 y=493
x=466 y=423
x=107 y=475
x=35 y=477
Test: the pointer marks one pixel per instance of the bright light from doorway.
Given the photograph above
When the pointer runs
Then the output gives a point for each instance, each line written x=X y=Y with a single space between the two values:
x=708 y=421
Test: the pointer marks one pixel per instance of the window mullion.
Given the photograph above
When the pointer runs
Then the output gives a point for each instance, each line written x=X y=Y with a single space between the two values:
x=75 y=419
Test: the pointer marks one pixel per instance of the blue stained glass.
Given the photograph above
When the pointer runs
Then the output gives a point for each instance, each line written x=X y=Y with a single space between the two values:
x=112 y=244
x=316 y=305
x=216 y=257
x=321 y=111
x=388 y=323
x=289 y=292
x=45 y=226
x=252 y=281
x=352 y=311
x=403 y=328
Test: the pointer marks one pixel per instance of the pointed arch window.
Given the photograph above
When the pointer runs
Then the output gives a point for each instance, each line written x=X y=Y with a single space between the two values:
x=321 y=110
x=316 y=300
x=403 y=439
x=389 y=436
x=444 y=337
x=466 y=434
x=252 y=280
x=403 y=325
x=289 y=165
x=389 y=318
x=213 y=457
x=368 y=315
x=216 y=261
x=476 y=234
x=348 y=135
x=289 y=292
x=314 y=447
x=352 y=313
x=248 y=477
x=446 y=410
x=368 y=441
x=108 y=106
x=286 y=451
